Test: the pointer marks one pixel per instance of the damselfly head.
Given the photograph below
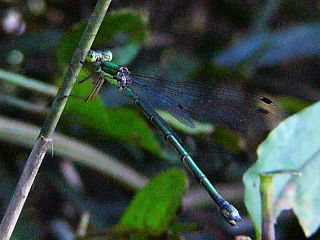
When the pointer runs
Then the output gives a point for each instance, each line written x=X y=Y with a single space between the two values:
x=106 y=55
x=99 y=56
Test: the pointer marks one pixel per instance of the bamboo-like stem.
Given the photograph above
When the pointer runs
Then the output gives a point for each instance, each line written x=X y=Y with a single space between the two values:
x=35 y=159
x=266 y=192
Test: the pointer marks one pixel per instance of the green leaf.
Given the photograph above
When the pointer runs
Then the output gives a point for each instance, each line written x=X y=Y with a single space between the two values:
x=116 y=23
x=294 y=145
x=124 y=124
x=154 y=207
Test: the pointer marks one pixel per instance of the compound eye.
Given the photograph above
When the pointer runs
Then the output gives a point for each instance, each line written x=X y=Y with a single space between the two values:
x=110 y=56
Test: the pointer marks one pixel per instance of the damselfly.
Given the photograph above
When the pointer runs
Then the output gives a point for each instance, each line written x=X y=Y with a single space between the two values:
x=183 y=101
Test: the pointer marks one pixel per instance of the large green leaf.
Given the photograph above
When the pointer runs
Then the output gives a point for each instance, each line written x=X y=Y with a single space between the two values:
x=124 y=124
x=295 y=145
x=118 y=22
x=154 y=207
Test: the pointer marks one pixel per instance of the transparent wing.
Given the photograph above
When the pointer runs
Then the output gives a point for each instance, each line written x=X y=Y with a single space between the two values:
x=157 y=100
x=224 y=107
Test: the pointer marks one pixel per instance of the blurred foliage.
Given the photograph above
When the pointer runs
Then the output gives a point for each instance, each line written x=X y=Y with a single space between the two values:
x=268 y=48
x=273 y=48
x=292 y=105
x=93 y=115
x=126 y=28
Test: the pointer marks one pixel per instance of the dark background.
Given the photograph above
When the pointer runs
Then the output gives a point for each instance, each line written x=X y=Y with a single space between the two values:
x=254 y=47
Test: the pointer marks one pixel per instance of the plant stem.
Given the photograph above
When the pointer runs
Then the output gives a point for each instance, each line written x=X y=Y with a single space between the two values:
x=266 y=192
x=28 y=83
x=74 y=69
x=35 y=159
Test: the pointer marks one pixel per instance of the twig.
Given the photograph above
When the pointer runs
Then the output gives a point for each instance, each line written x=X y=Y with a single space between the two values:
x=35 y=159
